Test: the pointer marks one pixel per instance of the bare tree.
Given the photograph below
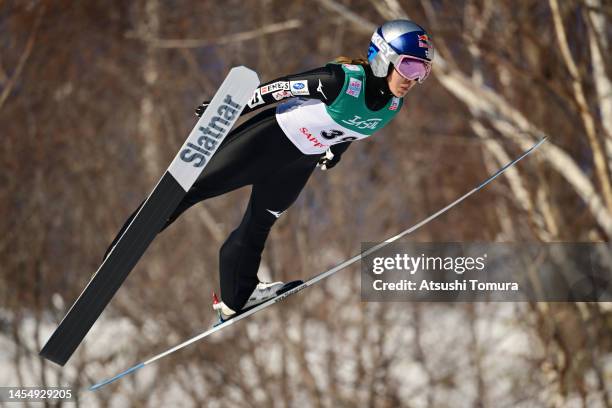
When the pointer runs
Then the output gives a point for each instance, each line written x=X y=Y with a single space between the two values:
x=96 y=97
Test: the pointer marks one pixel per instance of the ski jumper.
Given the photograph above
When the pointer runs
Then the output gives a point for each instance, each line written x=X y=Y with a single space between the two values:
x=277 y=150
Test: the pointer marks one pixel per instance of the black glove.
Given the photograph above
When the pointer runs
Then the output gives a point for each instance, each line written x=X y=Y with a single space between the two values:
x=328 y=160
x=199 y=111
x=332 y=156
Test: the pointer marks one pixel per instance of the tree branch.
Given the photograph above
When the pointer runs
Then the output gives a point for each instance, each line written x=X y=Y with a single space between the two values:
x=238 y=37
x=599 y=159
x=24 y=57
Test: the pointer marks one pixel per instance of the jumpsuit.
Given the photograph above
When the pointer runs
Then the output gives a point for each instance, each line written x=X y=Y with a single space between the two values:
x=259 y=153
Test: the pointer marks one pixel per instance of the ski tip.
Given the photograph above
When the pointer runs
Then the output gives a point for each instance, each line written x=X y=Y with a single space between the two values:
x=215 y=298
x=246 y=72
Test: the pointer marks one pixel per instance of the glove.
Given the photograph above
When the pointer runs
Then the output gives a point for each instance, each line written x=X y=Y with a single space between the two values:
x=328 y=160
x=199 y=111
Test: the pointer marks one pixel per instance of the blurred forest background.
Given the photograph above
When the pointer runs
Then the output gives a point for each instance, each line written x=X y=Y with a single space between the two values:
x=97 y=96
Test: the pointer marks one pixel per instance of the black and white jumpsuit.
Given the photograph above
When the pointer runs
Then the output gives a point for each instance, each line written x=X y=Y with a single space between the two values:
x=258 y=153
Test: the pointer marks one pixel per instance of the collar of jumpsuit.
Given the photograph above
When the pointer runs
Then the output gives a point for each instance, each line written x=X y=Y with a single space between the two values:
x=377 y=90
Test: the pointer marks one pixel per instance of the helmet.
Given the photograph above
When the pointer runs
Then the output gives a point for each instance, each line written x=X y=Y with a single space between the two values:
x=397 y=39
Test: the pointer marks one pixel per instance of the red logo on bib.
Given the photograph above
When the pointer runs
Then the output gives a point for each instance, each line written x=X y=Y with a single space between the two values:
x=311 y=138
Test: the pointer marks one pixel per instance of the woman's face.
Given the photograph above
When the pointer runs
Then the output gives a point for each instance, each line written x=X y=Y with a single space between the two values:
x=399 y=85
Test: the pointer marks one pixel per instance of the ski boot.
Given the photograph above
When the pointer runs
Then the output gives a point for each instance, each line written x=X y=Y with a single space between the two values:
x=263 y=292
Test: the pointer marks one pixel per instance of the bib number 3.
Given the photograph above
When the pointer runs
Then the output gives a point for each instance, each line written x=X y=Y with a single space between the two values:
x=336 y=136
x=331 y=134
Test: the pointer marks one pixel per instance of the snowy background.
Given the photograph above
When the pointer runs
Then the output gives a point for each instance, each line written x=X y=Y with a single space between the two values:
x=97 y=96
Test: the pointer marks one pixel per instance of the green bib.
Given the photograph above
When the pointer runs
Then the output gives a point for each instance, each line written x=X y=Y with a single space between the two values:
x=350 y=110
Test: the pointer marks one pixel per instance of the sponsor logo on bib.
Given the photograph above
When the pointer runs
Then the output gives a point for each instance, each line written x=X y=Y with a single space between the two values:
x=394 y=104
x=360 y=123
x=354 y=87
x=315 y=142
x=351 y=67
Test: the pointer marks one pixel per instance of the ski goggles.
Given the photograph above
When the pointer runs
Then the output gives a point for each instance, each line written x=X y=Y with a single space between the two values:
x=413 y=68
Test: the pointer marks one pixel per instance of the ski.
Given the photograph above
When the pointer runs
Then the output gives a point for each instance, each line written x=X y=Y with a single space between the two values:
x=208 y=133
x=295 y=289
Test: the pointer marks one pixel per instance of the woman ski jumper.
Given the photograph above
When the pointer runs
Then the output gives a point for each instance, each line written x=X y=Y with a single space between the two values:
x=276 y=151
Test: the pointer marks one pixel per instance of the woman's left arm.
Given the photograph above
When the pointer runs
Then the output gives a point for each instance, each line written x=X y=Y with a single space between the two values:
x=324 y=84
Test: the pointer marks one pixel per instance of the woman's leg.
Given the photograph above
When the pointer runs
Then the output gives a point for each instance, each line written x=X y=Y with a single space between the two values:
x=242 y=159
x=247 y=155
x=240 y=255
